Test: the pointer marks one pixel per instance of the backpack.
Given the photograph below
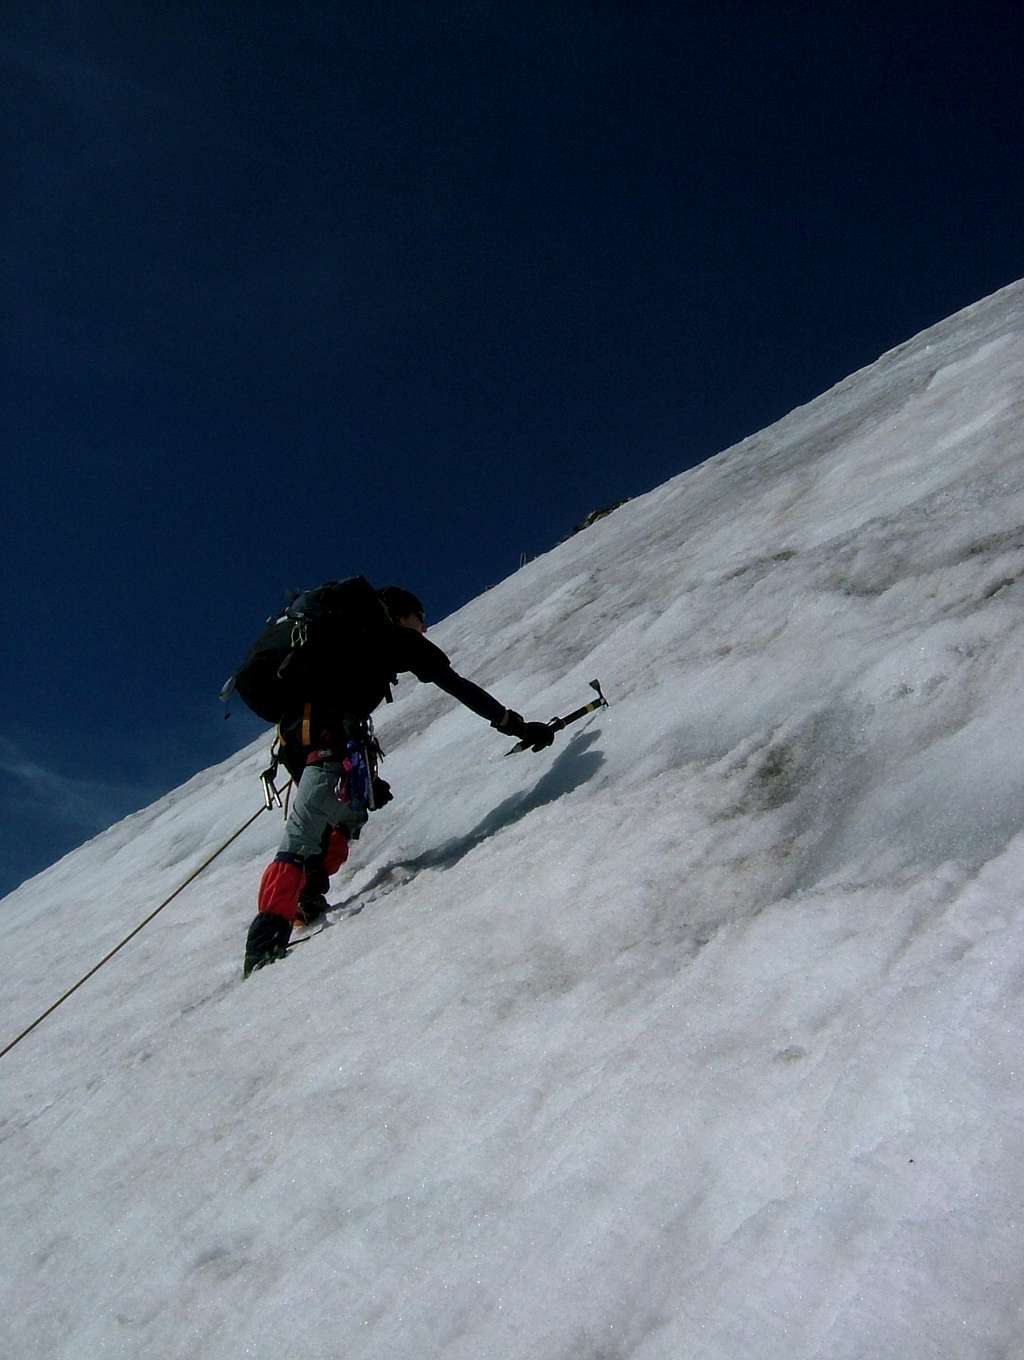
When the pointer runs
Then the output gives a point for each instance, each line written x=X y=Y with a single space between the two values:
x=331 y=620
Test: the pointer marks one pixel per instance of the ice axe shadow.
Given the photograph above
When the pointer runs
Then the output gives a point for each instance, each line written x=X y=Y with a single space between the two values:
x=573 y=767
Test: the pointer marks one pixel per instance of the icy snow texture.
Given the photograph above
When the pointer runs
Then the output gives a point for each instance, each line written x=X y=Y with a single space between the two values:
x=698 y=1035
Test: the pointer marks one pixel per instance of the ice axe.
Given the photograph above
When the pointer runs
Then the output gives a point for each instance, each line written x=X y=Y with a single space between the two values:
x=556 y=724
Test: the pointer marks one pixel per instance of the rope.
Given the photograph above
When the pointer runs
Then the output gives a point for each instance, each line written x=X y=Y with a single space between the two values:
x=181 y=888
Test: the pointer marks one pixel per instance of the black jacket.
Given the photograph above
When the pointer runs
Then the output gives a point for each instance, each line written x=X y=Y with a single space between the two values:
x=347 y=682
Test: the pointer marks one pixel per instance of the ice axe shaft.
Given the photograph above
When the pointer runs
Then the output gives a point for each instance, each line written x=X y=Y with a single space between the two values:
x=576 y=714
x=558 y=723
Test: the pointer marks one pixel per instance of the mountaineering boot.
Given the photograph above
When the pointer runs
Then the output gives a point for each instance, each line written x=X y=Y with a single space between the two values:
x=267 y=940
x=311 y=907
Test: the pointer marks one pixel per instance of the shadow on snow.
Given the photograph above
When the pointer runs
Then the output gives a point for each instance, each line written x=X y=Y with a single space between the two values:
x=575 y=765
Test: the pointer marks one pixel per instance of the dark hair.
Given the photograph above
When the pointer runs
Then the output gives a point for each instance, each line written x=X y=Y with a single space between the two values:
x=401 y=603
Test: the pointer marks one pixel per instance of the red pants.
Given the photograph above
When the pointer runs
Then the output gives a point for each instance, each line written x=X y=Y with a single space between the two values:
x=285 y=877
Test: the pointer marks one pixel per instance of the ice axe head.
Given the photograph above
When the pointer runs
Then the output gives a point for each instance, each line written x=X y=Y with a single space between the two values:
x=596 y=685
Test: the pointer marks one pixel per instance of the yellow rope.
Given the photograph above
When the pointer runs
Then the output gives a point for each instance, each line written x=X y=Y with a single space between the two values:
x=71 y=990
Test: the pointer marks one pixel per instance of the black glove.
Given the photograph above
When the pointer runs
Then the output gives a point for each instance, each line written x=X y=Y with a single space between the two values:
x=381 y=793
x=535 y=735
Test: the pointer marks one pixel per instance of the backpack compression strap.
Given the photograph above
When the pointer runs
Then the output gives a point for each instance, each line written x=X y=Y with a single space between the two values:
x=305 y=732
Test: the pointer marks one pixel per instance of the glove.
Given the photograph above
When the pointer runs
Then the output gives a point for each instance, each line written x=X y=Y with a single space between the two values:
x=535 y=735
x=381 y=793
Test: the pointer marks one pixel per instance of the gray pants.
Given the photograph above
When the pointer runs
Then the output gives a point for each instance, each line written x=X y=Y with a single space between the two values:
x=314 y=808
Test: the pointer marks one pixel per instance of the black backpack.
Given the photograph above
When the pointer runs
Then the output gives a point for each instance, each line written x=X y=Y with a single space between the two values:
x=275 y=674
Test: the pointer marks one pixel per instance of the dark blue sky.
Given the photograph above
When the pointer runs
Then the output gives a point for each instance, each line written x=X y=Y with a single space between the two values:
x=293 y=291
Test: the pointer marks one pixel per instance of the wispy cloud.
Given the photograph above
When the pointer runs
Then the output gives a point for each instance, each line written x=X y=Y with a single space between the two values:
x=85 y=803
x=93 y=89
x=73 y=77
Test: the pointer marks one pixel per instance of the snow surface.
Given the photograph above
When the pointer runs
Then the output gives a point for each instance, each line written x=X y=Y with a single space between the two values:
x=696 y=1036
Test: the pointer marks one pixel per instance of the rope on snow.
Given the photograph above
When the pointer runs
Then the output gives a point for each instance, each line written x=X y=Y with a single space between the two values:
x=167 y=901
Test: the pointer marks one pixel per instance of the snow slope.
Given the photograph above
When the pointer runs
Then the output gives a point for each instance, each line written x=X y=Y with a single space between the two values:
x=698 y=1035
